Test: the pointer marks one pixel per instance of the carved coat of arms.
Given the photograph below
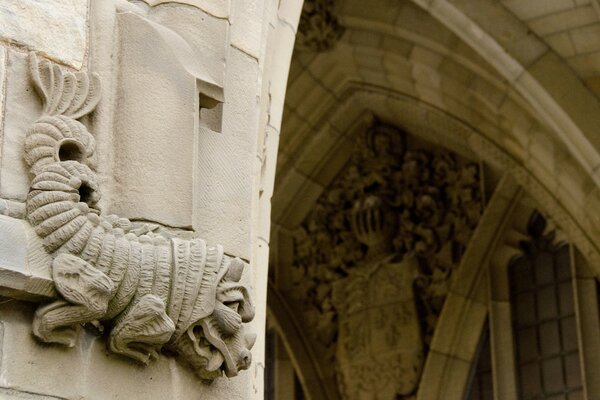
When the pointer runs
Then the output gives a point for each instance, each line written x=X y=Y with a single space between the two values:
x=375 y=258
x=380 y=348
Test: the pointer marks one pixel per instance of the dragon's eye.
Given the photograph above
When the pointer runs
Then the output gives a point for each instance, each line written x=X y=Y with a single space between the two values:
x=234 y=305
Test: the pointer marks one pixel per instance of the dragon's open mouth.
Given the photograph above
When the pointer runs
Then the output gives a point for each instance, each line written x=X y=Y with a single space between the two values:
x=205 y=349
x=223 y=354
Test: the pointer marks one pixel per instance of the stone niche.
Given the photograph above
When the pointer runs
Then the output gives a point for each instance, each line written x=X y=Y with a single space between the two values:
x=128 y=142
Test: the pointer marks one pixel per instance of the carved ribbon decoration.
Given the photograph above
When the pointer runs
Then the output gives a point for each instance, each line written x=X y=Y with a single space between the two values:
x=149 y=290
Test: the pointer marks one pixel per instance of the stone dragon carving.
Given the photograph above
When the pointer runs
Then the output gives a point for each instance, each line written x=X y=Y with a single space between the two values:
x=151 y=291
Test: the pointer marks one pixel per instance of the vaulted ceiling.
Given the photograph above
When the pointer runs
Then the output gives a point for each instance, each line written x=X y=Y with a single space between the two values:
x=512 y=84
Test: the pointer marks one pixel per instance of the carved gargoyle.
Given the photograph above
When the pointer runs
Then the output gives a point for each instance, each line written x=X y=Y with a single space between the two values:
x=149 y=290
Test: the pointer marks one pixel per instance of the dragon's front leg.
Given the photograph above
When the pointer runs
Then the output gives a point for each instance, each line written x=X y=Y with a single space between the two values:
x=142 y=329
x=86 y=292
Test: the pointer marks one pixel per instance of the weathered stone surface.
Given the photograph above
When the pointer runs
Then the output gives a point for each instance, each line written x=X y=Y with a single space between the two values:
x=218 y=8
x=24 y=264
x=93 y=373
x=155 y=125
x=28 y=23
x=224 y=174
x=21 y=108
x=205 y=34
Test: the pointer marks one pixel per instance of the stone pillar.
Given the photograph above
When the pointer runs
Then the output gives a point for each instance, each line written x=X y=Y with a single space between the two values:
x=154 y=115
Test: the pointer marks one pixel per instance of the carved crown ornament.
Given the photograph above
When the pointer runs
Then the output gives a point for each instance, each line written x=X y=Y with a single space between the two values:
x=374 y=259
x=148 y=290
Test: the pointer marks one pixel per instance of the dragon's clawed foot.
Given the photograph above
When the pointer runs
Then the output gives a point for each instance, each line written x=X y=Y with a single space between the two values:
x=45 y=325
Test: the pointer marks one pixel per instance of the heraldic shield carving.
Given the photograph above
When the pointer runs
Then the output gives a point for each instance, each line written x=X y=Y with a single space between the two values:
x=380 y=348
x=374 y=260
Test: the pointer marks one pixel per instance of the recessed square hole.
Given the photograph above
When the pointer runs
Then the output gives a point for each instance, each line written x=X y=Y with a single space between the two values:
x=211 y=113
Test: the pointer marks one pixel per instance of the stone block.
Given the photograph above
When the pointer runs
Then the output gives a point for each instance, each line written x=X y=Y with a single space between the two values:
x=514 y=148
x=426 y=76
x=156 y=125
x=403 y=85
x=206 y=35
x=469 y=27
x=430 y=95
x=594 y=84
x=385 y=11
x=246 y=28
x=24 y=264
x=316 y=95
x=28 y=23
x=393 y=44
x=464 y=320
x=415 y=19
x=425 y=56
x=365 y=38
x=586 y=39
x=289 y=11
x=21 y=108
x=368 y=57
x=396 y=65
x=564 y=20
x=571 y=181
x=217 y=8
x=295 y=190
x=488 y=92
x=278 y=75
x=562 y=43
x=575 y=100
x=444 y=377
x=456 y=71
x=373 y=77
x=503 y=348
x=317 y=150
x=224 y=179
x=586 y=65
x=507 y=31
x=532 y=9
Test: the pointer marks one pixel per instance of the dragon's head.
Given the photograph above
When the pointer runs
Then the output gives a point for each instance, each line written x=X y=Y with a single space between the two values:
x=217 y=343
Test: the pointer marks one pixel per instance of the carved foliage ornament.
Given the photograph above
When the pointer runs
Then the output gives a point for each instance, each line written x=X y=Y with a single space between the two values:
x=148 y=290
x=319 y=28
x=396 y=221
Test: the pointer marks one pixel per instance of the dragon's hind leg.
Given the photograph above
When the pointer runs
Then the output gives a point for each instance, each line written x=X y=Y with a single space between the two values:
x=86 y=292
x=142 y=329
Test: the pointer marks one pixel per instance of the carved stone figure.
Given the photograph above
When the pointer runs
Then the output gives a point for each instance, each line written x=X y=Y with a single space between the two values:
x=149 y=290
x=396 y=222
x=380 y=350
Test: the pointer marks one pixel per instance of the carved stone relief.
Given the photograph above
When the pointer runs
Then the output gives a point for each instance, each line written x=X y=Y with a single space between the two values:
x=148 y=289
x=319 y=28
x=374 y=260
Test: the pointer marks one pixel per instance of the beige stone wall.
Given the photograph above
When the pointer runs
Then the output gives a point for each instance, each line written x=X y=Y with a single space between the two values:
x=186 y=133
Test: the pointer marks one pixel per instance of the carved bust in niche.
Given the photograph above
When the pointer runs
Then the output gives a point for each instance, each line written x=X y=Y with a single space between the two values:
x=396 y=221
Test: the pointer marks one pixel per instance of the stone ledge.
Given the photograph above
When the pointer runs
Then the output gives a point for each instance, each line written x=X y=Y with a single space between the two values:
x=24 y=264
